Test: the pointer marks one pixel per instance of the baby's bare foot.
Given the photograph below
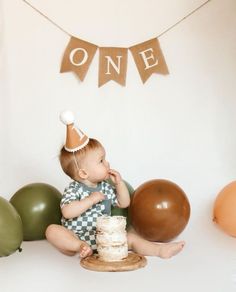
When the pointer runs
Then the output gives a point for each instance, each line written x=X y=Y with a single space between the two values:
x=85 y=250
x=167 y=250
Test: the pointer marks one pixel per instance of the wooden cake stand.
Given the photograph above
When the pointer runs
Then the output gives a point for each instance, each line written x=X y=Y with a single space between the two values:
x=132 y=262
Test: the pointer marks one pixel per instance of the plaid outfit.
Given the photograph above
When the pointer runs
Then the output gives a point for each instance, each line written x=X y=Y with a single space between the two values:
x=84 y=226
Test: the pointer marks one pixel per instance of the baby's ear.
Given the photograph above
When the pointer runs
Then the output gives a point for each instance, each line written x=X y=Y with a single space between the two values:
x=83 y=174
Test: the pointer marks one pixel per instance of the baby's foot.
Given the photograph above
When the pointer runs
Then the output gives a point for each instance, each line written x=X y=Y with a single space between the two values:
x=167 y=250
x=85 y=250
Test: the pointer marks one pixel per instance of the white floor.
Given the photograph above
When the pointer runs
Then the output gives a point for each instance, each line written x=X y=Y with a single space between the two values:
x=208 y=263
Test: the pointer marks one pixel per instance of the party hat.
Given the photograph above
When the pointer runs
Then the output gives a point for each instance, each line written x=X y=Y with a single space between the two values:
x=75 y=138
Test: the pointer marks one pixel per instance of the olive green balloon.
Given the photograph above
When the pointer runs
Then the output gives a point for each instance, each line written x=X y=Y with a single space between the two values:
x=38 y=204
x=115 y=211
x=11 y=230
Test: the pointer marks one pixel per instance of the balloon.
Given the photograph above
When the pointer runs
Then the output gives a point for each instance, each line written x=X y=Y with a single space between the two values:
x=224 y=210
x=11 y=230
x=159 y=210
x=38 y=204
x=115 y=211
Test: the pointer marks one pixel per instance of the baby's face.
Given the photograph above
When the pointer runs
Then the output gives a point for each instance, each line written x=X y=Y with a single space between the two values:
x=95 y=164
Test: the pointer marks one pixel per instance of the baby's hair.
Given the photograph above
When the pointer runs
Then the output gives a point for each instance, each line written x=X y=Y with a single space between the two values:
x=70 y=160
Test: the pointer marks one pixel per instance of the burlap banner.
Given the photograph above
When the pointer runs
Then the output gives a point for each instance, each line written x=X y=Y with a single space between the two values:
x=112 y=65
x=113 y=61
x=149 y=59
x=78 y=57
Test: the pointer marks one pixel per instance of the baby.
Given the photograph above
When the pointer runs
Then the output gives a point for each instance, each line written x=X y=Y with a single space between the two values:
x=89 y=196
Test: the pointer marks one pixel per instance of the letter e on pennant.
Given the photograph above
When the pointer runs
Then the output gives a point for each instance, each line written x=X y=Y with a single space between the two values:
x=149 y=59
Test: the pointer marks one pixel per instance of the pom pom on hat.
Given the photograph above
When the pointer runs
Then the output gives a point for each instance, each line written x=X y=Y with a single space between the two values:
x=67 y=117
x=75 y=138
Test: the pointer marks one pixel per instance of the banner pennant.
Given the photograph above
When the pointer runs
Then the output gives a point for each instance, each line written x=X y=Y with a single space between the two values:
x=78 y=57
x=149 y=59
x=112 y=65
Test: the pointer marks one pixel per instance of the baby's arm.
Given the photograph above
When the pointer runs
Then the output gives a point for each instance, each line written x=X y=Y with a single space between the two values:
x=76 y=208
x=123 y=197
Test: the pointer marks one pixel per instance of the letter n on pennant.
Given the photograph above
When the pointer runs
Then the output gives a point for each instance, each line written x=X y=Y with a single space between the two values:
x=112 y=65
x=149 y=59
x=78 y=57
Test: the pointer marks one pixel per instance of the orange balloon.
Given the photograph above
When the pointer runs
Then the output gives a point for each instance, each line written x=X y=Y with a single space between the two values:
x=225 y=209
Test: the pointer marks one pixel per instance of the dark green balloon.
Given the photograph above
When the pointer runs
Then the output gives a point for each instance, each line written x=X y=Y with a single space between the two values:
x=38 y=205
x=115 y=211
x=11 y=230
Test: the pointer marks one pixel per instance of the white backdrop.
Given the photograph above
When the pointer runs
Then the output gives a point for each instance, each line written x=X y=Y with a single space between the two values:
x=179 y=127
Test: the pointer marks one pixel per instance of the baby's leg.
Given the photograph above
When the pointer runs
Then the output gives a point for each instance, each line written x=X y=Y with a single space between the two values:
x=148 y=248
x=66 y=241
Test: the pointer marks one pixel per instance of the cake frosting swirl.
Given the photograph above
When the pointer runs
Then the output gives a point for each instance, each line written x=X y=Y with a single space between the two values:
x=111 y=238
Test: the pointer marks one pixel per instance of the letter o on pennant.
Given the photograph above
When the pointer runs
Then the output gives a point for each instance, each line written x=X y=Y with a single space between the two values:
x=72 y=55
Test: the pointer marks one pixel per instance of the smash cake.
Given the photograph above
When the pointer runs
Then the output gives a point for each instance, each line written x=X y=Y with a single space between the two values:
x=111 y=238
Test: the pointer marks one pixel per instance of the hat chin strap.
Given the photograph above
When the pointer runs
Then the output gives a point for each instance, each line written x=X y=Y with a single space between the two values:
x=78 y=168
x=76 y=162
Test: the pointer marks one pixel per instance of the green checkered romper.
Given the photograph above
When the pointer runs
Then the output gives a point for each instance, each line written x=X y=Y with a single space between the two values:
x=84 y=226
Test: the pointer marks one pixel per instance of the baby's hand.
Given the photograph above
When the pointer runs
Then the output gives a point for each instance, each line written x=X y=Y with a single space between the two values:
x=115 y=176
x=97 y=197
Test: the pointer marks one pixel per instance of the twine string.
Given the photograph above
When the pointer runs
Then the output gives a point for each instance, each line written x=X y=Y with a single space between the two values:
x=182 y=19
x=45 y=16
x=161 y=34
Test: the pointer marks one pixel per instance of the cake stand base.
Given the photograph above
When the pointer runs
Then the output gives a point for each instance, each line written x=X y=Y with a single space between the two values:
x=132 y=262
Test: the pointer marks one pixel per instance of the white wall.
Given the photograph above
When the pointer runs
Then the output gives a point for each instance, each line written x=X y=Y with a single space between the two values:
x=180 y=127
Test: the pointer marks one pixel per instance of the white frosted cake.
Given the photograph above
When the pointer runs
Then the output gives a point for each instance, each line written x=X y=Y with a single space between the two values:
x=111 y=238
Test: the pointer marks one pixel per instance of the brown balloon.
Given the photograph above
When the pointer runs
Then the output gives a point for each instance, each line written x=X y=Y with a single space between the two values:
x=159 y=210
x=225 y=209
